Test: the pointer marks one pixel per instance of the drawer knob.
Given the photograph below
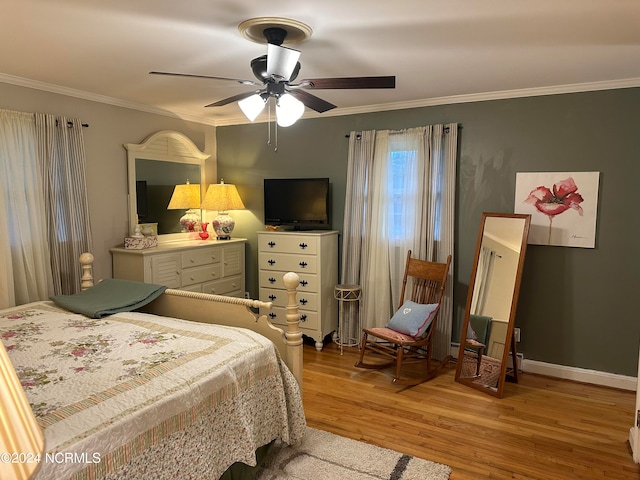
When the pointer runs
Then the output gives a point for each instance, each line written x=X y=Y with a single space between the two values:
x=303 y=245
x=272 y=280
x=272 y=297
x=303 y=317
x=304 y=283
x=304 y=301
x=303 y=264
x=271 y=262
x=271 y=244
x=272 y=315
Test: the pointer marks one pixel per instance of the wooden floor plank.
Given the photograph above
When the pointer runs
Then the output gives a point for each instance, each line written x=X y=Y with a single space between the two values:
x=543 y=428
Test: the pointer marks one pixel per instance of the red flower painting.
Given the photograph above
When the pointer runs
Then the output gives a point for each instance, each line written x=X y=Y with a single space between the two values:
x=562 y=197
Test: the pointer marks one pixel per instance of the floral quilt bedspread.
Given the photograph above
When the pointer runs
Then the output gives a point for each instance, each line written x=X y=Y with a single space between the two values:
x=140 y=396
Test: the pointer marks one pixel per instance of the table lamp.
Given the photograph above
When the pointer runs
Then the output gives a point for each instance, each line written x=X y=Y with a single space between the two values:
x=186 y=197
x=222 y=197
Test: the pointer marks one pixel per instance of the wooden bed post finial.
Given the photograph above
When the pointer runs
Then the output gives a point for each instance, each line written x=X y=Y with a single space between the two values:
x=293 y=334
x=86 y=281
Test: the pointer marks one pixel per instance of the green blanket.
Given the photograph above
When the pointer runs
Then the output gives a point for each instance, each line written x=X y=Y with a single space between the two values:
x=110 y=296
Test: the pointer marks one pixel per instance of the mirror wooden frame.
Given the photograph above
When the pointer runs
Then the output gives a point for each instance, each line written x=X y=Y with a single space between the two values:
x=164 y=146
x=510 y=344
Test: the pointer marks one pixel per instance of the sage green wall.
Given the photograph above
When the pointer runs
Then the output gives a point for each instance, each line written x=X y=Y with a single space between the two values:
x=576 y=305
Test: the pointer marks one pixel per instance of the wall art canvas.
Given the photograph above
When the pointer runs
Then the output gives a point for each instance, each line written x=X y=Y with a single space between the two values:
x=563 y=207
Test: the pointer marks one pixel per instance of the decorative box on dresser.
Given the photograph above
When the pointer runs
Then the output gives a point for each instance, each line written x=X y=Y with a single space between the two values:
x=313 y=255
x=208 y=266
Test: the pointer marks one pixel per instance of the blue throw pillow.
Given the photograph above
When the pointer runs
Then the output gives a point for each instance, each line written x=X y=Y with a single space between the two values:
x=413 y=318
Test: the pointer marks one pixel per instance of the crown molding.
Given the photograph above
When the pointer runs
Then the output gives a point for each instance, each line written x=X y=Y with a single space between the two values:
x=71 y=92
x=241 y=119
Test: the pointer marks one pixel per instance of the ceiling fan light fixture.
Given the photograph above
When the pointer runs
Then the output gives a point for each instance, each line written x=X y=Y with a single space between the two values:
x=252 y=106
x=288 y=110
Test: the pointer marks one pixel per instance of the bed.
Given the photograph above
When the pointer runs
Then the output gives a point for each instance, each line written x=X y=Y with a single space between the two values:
x=171 y=390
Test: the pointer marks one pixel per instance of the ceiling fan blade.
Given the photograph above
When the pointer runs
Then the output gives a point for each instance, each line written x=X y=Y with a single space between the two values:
x=281 y=61
x=228 y=100
x=350 y=82
x=209 y=77
x=311 y=101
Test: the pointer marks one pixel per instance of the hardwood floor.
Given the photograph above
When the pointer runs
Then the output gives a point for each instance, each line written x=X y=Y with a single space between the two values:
x=543 y=428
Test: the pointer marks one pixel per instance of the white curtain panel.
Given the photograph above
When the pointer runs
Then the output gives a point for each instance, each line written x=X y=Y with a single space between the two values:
x=481 y=285
x=381 y=225
x=61 y=156
x=24 y=248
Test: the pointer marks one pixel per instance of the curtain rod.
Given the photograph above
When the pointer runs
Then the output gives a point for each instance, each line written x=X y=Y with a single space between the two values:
x=358 y=136
x=70 y=124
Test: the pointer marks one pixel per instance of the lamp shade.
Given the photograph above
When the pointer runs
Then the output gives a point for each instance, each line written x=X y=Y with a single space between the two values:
x=288 y=110
x=222 y=197
x=185 y=196
x=252 y=106
x=19 y=431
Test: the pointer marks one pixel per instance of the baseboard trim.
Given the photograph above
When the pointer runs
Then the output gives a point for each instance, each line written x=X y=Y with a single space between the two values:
x=580 y=375
x=583 y=375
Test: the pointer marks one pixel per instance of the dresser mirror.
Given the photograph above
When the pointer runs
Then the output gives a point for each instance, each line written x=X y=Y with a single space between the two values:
x=487 y=354
x=155 y=166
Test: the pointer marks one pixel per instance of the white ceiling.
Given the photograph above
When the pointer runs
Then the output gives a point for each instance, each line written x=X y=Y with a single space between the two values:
x=444 y=51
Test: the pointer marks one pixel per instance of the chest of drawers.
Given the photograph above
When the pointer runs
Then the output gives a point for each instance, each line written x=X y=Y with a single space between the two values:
x=215 y=267
x=314 y=257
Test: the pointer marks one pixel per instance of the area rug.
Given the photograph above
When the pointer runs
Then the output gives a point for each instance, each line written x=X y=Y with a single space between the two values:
x=490 y=369
x=325 y=456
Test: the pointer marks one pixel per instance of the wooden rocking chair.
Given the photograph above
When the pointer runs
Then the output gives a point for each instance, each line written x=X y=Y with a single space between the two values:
x=400 y=341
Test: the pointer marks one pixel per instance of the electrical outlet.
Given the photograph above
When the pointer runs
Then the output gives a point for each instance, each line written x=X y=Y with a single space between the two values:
x=516 y=333
x=246 y=295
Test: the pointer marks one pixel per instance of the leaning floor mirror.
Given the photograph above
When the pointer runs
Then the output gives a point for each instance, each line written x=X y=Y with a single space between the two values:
x=487 y=355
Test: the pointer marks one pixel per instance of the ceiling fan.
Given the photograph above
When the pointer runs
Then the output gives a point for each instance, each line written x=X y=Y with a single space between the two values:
x=276 y=72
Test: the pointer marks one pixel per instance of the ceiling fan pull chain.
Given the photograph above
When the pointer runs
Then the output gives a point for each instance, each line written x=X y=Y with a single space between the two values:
x=275 y=129
x=269 y=127
x=268 y=122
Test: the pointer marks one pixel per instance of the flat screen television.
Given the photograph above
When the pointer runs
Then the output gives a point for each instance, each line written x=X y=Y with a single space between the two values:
x=297 y=203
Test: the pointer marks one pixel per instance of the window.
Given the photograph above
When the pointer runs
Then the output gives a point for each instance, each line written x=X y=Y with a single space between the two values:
x=402 y=193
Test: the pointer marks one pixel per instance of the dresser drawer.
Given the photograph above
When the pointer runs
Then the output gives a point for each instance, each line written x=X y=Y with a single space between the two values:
x=226 y=286
x=285 y=262
x=279 y=298
x=278 y=316
x=308 y=281
x=305 y=244
x=201 y=274
x=195 y=258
